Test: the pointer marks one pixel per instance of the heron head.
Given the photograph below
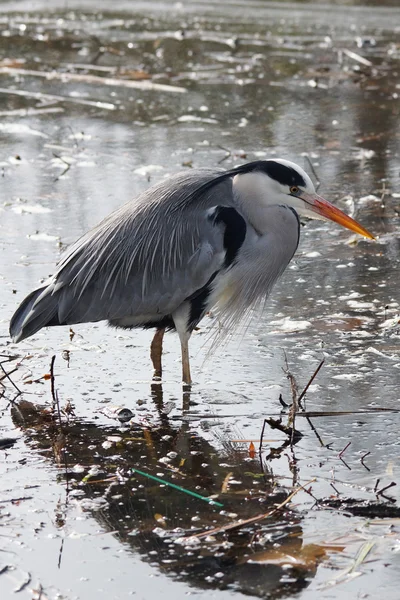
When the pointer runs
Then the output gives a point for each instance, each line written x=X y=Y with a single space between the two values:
x=296 y=189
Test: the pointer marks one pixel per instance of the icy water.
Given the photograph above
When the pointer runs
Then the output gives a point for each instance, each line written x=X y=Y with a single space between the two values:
x=98 y=101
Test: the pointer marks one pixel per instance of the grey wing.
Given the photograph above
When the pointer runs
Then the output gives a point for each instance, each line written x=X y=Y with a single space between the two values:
x=141 y=262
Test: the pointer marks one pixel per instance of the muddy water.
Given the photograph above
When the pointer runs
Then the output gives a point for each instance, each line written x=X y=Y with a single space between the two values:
x=95 y=106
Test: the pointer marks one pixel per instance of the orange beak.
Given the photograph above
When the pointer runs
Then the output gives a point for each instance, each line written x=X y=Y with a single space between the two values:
x=328 y=211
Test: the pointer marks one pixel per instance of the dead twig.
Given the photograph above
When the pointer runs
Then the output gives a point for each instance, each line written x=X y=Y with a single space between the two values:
x=52 y=383
x=357 y=57
x=337 y=491
x=24 y=583
x=340 y=456
x=316 y=501
x=343 y=413
x=59 y=444
x=277 y=452
x=94 y=79
x=227 y=155
x=67 y=168
x=313 y=376
x=282 y=402
x=387 y=487
x=344 y=450
x=251 y=520
x=317 y=181
x=302 y=395
x=293 y=466
x=7 y=376
x=55 y=98
x=297 y=400
x=295 y=394
x=261 y=439
x=286 y=429
x=362 y=460
x=16 y=499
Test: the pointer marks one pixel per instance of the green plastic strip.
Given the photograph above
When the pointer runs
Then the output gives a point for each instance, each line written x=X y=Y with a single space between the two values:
x=178 y=487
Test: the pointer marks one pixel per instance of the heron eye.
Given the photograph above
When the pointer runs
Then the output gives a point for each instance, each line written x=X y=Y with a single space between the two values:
x=294 y=189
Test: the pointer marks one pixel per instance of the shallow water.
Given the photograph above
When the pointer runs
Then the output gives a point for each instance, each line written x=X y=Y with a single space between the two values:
x=212 y=85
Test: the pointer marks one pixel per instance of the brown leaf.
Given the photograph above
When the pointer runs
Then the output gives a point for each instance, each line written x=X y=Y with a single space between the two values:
x=252 y=450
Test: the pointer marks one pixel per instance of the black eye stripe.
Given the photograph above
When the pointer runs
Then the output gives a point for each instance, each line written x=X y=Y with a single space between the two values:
x=281 y=173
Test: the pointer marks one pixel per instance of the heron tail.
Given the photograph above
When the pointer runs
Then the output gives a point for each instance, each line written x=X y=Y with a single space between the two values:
x=38 y=310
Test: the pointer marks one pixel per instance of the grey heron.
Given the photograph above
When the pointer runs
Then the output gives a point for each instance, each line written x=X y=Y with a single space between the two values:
x=200 y=239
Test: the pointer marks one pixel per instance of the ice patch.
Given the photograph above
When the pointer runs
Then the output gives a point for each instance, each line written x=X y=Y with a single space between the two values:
x=369 y=198
x=145 y=171
x=42 y=237
x=350 y=296
x=18 y=128
x=33 y=209
x=355 y=304
x=194 y=119
x=312 y=254
x=289 y=325
x=348 y=376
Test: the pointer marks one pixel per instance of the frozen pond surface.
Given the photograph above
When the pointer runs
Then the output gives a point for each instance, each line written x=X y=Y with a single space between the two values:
x=96 y=105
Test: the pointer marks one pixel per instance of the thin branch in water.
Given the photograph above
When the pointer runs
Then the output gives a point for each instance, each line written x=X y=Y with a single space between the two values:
x=56 y=98
x=316 y=501
x=9 y=357
x=292 y=380
x=311 y=424
x=302 y=395
x=24 y=583
x=336 y=490
x=387 y=487
x=313 y=376
x=67 y=168
x=260 y=517
x=295 y=394
x=282 y=402
x=7 y=376
x=293 y=466
x=59 y=444
x=16 y=499
x=94 y=79
x=294 y=411
x=340 y=455
x=317 y=181
x=260 y=457
x=227 y=155
x=286 y=429
x=52 y=383
x=362 y=460
x=356 y=57
x=60 y=553
x=261 y=438
x=277 y=452
x=344 y=450
x=345 y=463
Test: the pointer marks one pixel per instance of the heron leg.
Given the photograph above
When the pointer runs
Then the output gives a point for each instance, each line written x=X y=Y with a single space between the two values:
x=181 y=318
x=156 y=352
x=186 y=377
